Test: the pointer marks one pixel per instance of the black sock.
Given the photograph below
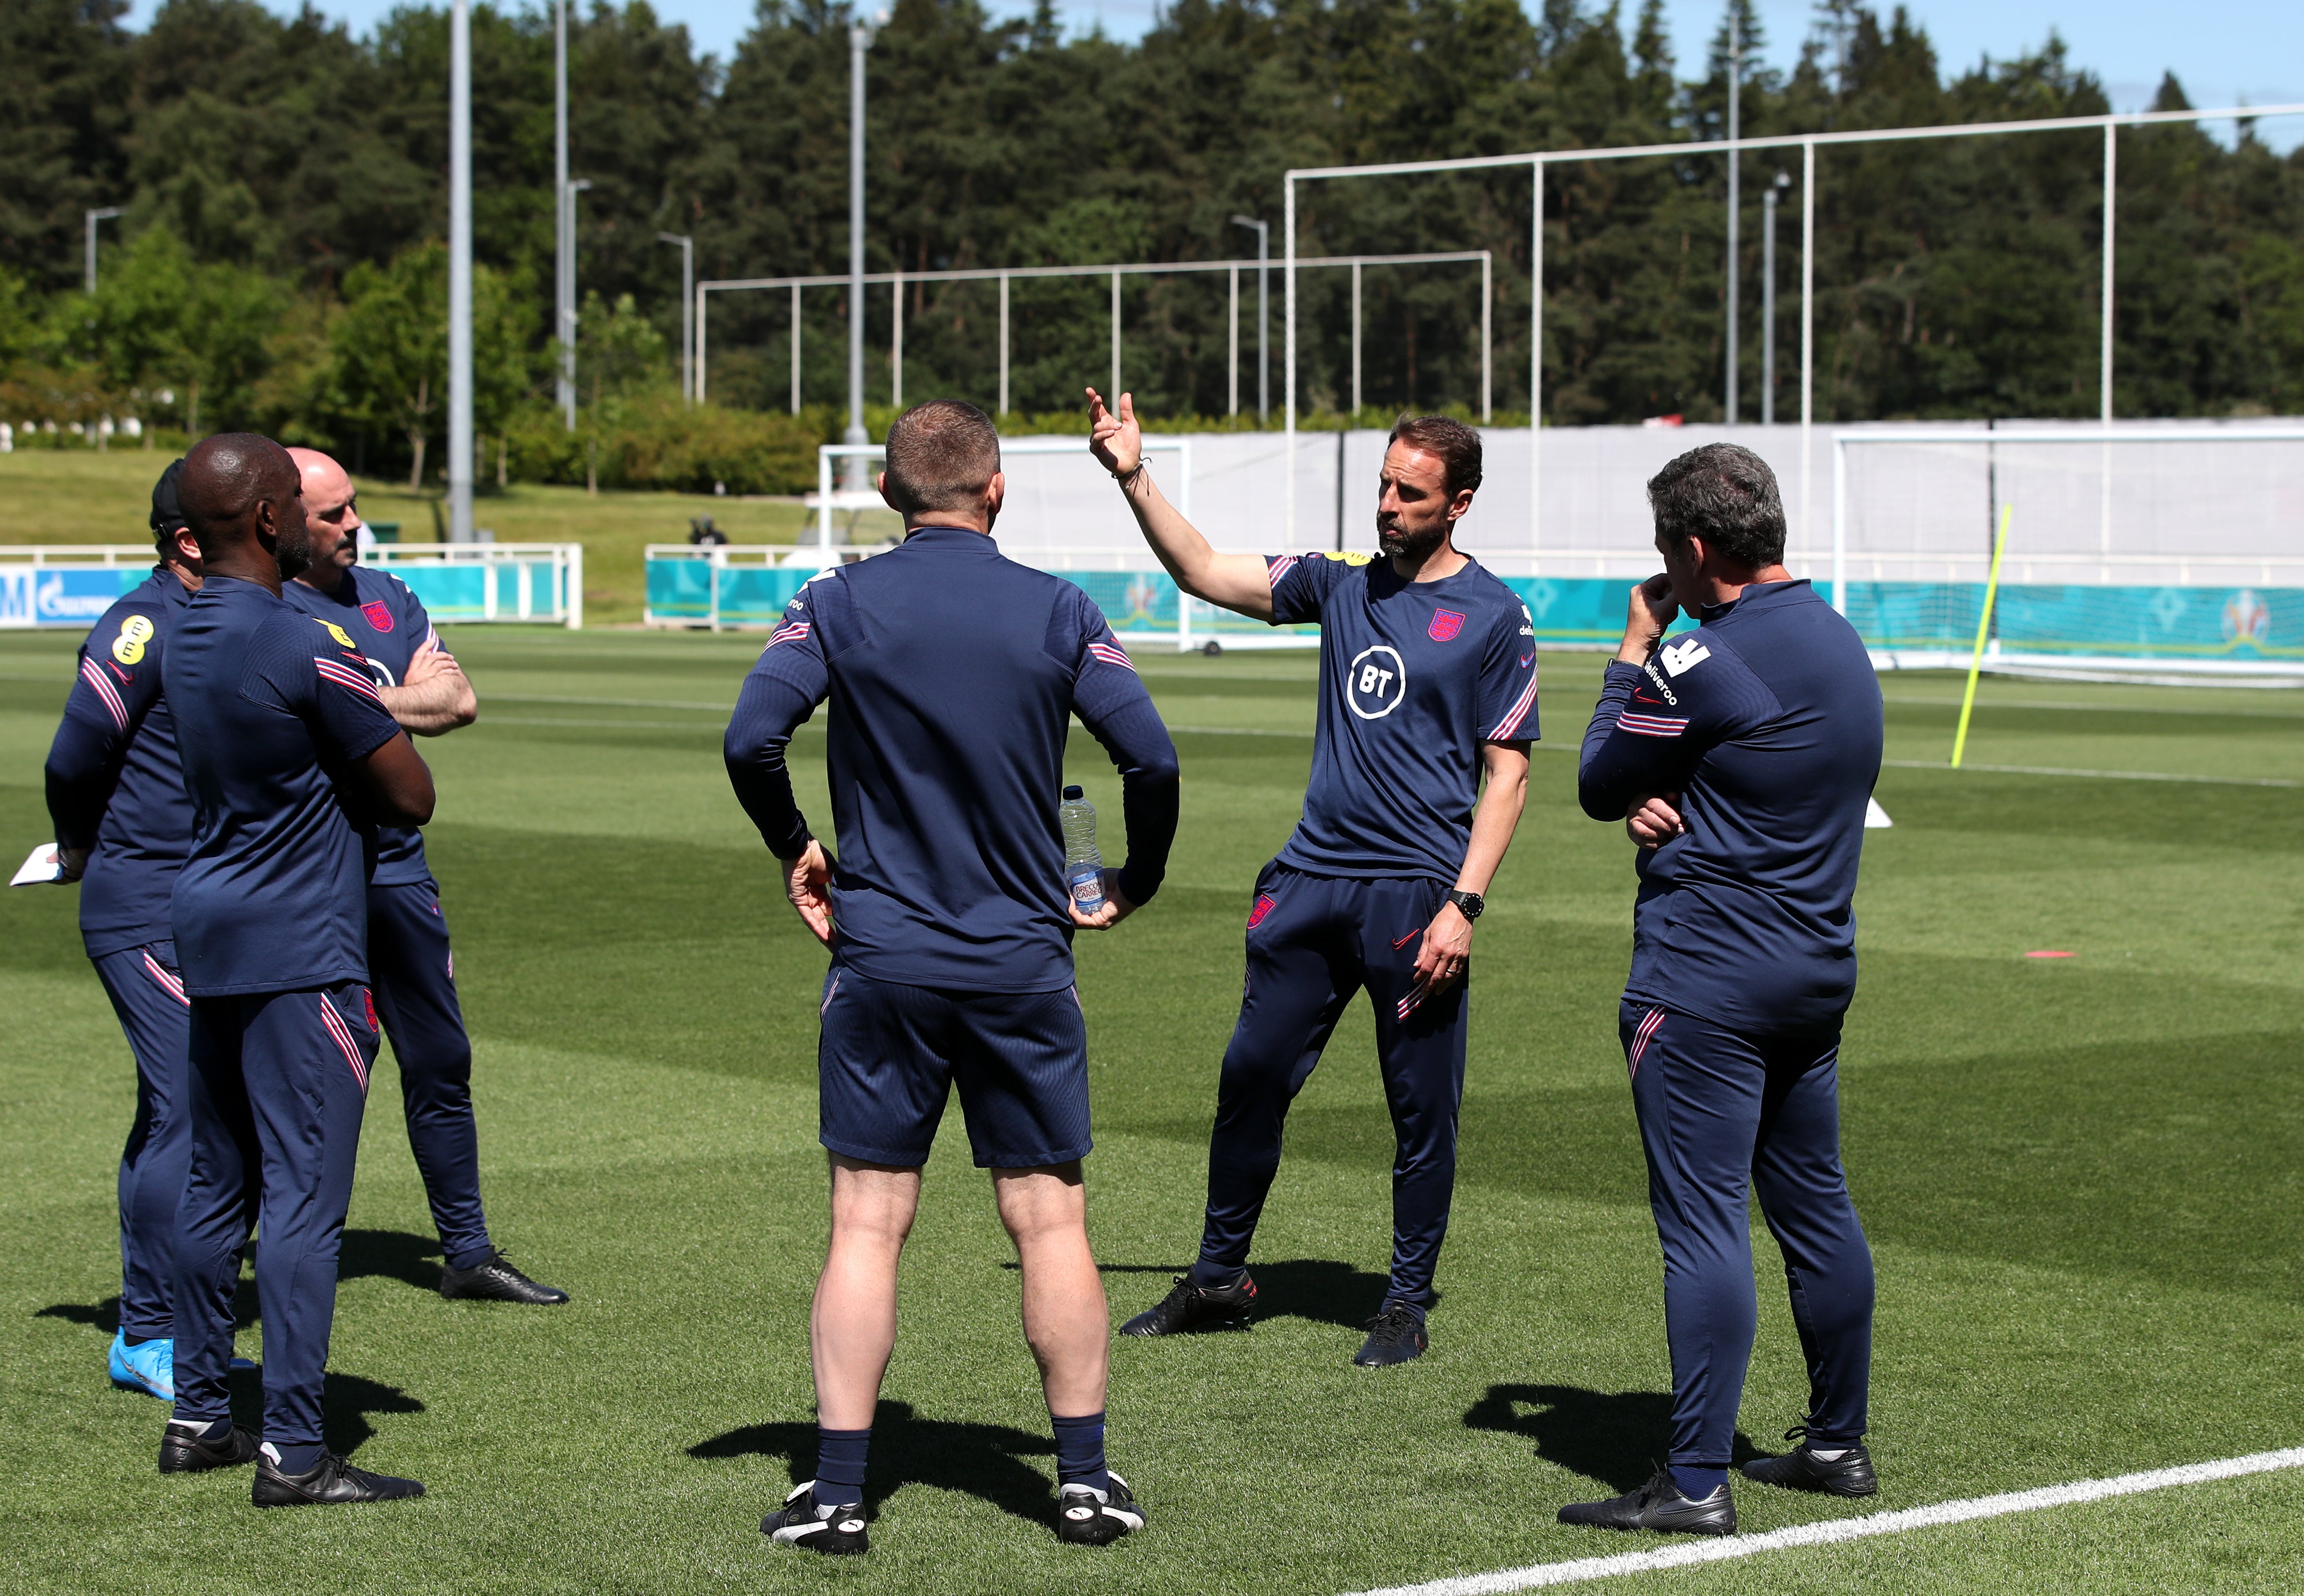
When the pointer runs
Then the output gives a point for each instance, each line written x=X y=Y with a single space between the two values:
x=840 y=1464
x=1215 y=1276
x=127 y=1340
x=1080 y=1452
x=211 y=1432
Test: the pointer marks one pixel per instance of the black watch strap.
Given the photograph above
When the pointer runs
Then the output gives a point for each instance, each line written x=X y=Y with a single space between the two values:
x=1470 y=903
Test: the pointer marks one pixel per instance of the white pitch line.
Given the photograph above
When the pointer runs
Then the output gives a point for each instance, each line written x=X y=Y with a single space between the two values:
x=1835 y=1531
x=2054 y=770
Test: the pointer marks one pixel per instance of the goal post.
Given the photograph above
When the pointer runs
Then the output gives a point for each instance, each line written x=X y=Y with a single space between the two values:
x=2173 y=550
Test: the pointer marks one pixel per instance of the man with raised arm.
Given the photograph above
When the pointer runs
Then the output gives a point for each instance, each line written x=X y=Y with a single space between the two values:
x=292 y=762
x=1428 y=687
x=116 y=794
x=1740 y=757
x=953 y=674
x=411 y=967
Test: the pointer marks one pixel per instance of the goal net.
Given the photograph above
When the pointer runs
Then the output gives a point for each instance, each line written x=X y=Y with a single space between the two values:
x=2167 y=548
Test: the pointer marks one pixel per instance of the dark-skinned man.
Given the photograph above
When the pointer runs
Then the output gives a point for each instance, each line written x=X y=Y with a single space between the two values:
x=292 y=762
x=1428 y=684
x=411 y=969
x=1740 y=757
x=123 y=821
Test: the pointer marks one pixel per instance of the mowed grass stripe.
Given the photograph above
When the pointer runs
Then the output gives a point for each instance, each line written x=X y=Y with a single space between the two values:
x=2081 y=1179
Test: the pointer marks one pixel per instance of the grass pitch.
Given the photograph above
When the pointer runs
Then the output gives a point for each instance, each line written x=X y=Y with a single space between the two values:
x=2081 y=1176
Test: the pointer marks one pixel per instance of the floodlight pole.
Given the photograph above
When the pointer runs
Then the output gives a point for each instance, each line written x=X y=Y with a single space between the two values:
x=687 y=311
x=1233 y=381
x=1004 y=345
x=795 y=352
x=860 y=40
x=460 y=273
x=1808 y=350
x=563 y=232
x=1355 y=340
x=2104 y=356
x=1116 y=337
x=1768 y=302
x=1735 y=99
x=1535 y=361
x=1263 y=310
x=91 y=218
x=568 y=314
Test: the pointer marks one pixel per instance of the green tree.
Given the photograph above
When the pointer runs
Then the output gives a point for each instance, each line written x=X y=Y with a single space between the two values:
x=390 y=348
x=164 y=323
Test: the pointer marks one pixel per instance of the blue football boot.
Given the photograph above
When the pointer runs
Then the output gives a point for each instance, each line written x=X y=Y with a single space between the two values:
x=149 y=1367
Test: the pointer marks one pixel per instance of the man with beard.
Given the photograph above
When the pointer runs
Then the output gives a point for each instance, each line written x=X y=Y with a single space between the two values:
x=1428 y=684
x=292 y=761
x=411 y=967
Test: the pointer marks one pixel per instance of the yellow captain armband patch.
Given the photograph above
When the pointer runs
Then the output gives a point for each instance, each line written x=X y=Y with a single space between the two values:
x=1347 y=559
x=343 y=638
x=135 y=631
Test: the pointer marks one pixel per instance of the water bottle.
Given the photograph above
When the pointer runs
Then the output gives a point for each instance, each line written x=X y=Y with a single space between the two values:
x=1083 y=865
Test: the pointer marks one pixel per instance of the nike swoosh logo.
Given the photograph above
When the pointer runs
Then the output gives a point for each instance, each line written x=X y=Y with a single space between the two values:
x=1410 y=937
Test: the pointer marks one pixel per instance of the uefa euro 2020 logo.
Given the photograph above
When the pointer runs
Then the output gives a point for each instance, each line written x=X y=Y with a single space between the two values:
x=2247 y=619
x=1141 y=598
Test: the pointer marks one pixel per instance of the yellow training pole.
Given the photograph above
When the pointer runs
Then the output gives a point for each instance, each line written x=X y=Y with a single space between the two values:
x=1983 y=628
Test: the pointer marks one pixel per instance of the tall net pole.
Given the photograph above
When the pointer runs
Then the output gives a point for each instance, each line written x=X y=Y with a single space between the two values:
x=460 y=274
x=860 y=39
x=564 y=244
x=1735 y=173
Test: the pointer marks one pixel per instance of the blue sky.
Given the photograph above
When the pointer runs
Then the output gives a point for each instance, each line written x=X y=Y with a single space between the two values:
x=2228 y=52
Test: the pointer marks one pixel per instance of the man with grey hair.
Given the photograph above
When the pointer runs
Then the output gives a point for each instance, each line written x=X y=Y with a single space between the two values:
x=953 y=674
x=1741 y=757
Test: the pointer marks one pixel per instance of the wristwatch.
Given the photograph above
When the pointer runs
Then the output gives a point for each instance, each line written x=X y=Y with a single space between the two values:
x=1469 y=903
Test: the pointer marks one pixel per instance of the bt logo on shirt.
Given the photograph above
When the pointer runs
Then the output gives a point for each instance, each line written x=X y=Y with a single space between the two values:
x=1375 y=683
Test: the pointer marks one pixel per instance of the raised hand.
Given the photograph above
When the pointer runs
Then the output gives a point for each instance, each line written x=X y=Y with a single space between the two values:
x=1117 y=441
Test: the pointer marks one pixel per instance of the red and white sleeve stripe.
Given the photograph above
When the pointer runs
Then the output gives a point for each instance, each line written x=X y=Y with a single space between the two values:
x=1651 y=725
x=93 y=674
x=344 y=676
x=1112 y=654
x=792 y=631
x=1275 y=570
x=1517 y=713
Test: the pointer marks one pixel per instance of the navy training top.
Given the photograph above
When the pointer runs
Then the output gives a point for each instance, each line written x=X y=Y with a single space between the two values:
x=1766 y=721
x=271 y=706
x=114 y=785
x=1414 y=676
x=387 y=623
x=952 y=673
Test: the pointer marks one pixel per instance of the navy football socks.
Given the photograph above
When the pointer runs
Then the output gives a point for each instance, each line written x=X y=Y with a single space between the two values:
x=299 y=1459
x=1215 y=1276
x=1080 y=1452
x=1697 y=1483
x=840 y=1464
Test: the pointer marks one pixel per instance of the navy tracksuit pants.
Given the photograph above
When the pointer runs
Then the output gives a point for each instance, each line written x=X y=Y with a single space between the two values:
x=278 y=1082
x=148 y=994
x=1716 y=1109
x=1313 y=942
x=414 y=975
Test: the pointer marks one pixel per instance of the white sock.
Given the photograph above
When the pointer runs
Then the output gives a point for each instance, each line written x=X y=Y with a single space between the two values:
x=1827 y=1454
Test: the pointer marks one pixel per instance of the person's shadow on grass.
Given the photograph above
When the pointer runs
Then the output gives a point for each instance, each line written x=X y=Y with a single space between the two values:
x=1618 y=1438
x=1323 y=1290
x=983 y=1460
x=397 y=1254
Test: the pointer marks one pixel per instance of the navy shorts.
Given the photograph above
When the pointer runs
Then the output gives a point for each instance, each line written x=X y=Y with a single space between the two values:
x=889 y=1055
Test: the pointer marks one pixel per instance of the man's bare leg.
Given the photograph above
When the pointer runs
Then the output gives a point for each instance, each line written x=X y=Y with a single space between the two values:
x=1070 y=1331
x=1065 y=1321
